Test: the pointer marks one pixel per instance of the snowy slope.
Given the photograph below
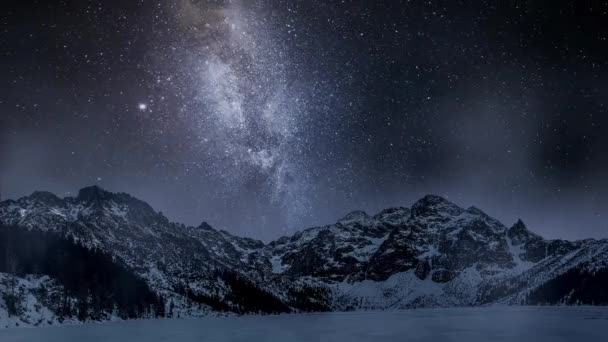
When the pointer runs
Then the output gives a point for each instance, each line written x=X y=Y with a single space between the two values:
x=26 y=302
x=432 y=254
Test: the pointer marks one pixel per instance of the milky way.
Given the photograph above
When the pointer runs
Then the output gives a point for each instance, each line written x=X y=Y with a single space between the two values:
x=246 y=113
x=263 y=117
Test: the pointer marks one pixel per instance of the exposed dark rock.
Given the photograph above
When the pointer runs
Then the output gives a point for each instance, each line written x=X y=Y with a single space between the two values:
x=357 y=215
x=423 y=269
x=442 y=276
x=472 y=258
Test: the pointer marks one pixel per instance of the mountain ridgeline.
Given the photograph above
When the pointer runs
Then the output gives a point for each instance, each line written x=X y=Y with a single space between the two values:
x=102 y=256
x=91 y=284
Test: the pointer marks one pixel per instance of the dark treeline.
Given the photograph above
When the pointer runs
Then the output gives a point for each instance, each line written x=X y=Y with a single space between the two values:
x=249 y=297
x=577 y=286
x=94 y=286
x=309 y=299
x=245 y=297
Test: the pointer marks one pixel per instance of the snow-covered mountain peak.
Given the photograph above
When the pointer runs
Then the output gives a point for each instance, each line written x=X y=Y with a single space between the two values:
x=93 y=206
x=205 y=226
x=45 y=198
x=435 y=205
x=93 y=194
x=475 y=211
x=452 y=255
x=119 y=204
x=393 y=216
x=354 y=216
x=519 y=234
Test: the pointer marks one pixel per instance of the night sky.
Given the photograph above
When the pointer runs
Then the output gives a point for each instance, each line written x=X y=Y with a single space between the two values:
x=264 y=117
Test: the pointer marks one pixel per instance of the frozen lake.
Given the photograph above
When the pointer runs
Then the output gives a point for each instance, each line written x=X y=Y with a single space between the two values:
x=462 y=324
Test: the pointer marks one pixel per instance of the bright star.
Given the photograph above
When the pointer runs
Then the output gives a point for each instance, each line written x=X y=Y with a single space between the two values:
x=142 y=106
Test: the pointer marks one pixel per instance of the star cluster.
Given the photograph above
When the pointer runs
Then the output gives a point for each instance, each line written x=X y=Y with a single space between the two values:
x=262 y=117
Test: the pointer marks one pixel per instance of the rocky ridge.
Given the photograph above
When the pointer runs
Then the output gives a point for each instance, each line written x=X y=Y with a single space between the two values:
x=434 y=253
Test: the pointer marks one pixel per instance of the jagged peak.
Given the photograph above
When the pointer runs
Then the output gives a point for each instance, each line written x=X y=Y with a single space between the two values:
x=519 y=233
x=45 y=197
x=93 y=193
x=136 y=209
x=97 y=194
x=356 y=215
x=476 y=211
x=205 y=226
x=518 y=228
x=432 y=200
x=7 y=202
x=434 y=203
x=520 y=224
x=392 y=214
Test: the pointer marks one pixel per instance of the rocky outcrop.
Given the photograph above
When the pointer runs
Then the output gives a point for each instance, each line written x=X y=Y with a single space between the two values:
x=432 y=254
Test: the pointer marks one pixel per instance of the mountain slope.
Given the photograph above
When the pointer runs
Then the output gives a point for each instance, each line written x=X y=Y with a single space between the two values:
x=43 y=271
x=174 y=264
x=432 y=254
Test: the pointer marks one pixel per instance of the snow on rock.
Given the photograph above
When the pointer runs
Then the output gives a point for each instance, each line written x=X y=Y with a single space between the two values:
x=434 y=254
x=23 y=301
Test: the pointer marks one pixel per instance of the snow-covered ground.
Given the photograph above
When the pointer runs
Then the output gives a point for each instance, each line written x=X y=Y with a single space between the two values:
x=519 y=324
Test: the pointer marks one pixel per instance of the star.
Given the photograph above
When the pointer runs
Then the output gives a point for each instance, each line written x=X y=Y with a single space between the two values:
x=142 y=106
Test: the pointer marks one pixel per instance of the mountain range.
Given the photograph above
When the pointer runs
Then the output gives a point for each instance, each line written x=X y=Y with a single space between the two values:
x=104 y=256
